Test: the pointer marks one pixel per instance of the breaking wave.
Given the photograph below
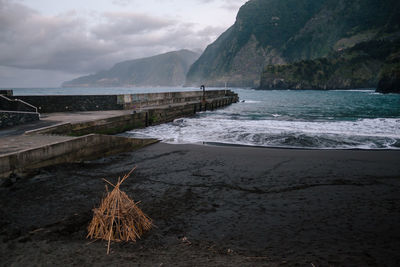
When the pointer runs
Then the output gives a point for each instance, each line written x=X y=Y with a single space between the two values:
x=351 y=119
x=360 y=134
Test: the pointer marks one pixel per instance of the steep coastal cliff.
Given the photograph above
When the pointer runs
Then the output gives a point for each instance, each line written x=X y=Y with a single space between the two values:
x=272 y=32
x=389 y=77
x=357 y=67
x=167 y=69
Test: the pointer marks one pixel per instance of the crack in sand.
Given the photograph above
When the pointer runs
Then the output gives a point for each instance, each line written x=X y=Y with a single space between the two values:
x=277 y=166
x=182 y=153
x=256 y=190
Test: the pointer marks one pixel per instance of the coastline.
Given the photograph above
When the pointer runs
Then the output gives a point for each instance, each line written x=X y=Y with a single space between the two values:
x=214 y=205
x=220 y=144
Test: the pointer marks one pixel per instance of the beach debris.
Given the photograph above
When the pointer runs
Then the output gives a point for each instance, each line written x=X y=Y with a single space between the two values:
x=185 y=240
x=118 y=218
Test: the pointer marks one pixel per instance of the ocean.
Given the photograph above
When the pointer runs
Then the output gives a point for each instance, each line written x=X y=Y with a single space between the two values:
x=356 y=119
x=337 y=119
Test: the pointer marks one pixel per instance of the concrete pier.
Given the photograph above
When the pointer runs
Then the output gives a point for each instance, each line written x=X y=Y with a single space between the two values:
x=78 y=135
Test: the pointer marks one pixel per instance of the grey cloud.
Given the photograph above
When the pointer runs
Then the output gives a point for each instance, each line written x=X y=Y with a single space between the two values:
x=232 y=5
x=227 y=4
x=211 y=31
x=129 y=24
x=121 y=2
x=68 y=44
x=39 y=42
x=14 y=77
x=206 y=1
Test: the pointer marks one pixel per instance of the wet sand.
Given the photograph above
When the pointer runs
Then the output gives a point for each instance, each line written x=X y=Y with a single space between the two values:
x=213 y=206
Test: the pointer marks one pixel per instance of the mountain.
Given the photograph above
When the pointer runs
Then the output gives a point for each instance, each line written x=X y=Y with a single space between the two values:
x=356 y=67
x=389 y=76
x=270 y=32
x=167 y=69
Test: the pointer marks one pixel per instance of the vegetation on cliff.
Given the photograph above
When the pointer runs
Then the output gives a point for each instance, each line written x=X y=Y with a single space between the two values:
x=167 y=69
x=389 y=76
x=390 y=80
x=356 y=67
x=269 y=32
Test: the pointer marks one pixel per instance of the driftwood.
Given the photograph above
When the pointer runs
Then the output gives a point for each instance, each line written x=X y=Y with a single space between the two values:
x=118 y=218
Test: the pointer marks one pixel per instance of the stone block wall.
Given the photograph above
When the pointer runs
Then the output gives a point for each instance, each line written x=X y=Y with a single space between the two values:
x=65 y=103
x=14 y=105
x=49 y=104
x=12 y=118
x=6 y=92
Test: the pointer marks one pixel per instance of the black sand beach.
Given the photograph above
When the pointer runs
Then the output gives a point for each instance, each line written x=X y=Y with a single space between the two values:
x=213 y=206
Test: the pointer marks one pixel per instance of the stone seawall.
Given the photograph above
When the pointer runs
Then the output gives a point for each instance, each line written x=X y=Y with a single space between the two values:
x=9 y=104
x=64 y=103
x=6 y=92
x=12 y=118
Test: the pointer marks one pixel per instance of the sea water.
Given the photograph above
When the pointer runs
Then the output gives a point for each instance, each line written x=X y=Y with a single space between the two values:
x=337 y=119
x=340 y=119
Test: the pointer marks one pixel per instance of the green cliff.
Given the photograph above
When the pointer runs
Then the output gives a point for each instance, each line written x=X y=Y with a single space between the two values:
x=270 y=32
x=356 y=67
x=390 y=80
x=167 y=69
x=389 y=76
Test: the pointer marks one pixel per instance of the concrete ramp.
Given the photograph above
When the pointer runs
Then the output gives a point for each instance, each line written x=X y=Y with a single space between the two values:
x=66 y=149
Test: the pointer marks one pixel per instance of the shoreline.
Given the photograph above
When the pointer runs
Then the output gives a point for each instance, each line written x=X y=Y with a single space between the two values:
x=220 y=144
x=213 y=206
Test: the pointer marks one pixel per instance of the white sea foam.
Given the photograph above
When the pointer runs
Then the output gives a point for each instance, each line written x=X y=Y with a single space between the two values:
x=251 y=101
x=363 y=133
x=355 y=90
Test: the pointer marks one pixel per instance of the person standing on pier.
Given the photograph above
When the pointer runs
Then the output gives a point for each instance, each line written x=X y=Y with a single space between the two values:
x=202 y=87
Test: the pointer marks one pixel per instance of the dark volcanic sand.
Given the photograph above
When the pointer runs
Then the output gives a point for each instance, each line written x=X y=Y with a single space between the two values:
x=236 y=206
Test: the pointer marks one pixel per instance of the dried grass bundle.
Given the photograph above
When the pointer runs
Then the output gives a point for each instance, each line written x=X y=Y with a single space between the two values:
x=118 y=218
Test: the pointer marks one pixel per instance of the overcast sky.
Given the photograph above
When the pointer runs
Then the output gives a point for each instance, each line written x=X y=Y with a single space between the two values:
x=46 y=42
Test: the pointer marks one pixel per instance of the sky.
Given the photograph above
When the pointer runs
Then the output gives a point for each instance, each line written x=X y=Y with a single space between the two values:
x=46 y=42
